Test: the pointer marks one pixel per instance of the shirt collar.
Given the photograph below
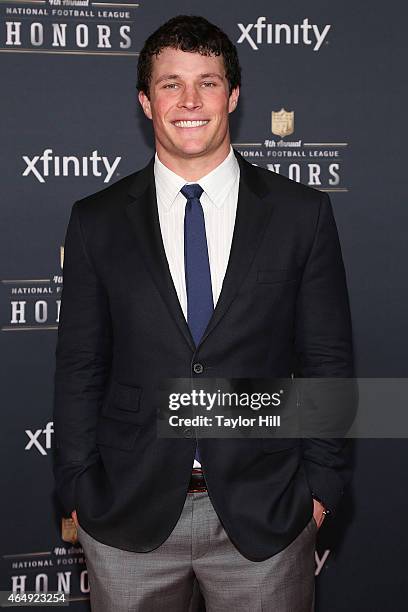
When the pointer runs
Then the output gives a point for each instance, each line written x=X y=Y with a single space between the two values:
x=216 y=183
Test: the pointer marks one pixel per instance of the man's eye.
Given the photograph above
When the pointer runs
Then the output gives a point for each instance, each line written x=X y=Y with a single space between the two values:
x=209 y=84
x=170 y=86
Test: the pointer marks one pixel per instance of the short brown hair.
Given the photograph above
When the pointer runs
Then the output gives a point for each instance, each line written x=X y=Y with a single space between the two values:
x=188 y=33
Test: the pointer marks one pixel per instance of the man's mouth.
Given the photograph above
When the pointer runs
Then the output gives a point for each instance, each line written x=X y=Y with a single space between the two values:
x=190 y=123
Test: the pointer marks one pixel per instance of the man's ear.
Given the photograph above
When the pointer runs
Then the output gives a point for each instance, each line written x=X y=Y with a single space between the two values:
x=233 y=99
x=145 y=104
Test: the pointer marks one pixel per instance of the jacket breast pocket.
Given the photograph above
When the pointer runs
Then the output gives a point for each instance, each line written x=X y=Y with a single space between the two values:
x=278 y=275
x=123 y=402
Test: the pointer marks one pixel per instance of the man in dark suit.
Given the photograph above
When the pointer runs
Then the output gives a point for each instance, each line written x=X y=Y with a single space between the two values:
x=199 y=265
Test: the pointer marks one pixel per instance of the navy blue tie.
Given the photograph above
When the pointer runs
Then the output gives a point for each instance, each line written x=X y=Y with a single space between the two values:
x=200 y=305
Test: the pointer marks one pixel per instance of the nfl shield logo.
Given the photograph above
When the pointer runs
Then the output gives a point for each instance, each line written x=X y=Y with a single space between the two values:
x=283 y=122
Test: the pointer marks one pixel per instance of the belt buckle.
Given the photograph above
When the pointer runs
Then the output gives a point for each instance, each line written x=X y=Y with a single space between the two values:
x=194 y=485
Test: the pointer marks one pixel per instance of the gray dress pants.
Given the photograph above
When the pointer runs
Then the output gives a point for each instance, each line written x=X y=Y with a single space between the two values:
x=199 y=552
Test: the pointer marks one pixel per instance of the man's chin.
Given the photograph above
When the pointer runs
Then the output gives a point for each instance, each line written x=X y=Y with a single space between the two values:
x=192 y=150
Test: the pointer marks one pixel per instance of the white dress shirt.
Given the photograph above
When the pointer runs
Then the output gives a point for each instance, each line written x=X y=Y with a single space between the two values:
x=219 y=201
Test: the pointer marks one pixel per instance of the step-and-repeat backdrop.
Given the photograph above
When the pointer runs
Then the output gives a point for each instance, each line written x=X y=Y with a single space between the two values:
x=322 y=102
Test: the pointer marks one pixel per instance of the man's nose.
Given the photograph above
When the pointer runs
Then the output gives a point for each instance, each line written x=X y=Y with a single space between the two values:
x=190 y=98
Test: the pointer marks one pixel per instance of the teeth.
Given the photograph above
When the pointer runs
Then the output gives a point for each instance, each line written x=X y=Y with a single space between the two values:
x=189 y=124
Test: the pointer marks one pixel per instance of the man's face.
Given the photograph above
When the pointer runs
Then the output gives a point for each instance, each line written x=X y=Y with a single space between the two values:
x=189 y=104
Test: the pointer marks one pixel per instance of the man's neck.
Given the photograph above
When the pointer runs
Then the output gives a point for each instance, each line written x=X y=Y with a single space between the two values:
x=192 y=168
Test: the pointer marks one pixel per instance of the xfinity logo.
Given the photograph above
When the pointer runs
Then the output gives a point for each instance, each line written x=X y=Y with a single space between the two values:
x=320 y=561
x=43 y=444
x=282 y=33
x=48 y=164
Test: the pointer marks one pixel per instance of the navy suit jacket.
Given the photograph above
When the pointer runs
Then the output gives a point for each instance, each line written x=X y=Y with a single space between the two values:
x=283 y=310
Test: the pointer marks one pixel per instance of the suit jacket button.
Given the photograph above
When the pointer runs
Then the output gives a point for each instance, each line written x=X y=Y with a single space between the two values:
x=188 y=432
x=198 y=368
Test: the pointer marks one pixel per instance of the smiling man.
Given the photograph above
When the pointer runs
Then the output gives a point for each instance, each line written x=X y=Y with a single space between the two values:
x=189 y=98
x=199 y=265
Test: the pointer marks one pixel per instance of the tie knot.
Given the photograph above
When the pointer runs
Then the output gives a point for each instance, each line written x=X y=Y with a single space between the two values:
x=192 y=191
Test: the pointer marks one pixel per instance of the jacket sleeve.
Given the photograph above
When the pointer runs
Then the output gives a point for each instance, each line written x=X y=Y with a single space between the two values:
x=83 y=358
x=323 y=341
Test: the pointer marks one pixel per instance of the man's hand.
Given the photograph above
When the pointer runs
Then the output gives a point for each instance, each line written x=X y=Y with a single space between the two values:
x=318 y=515
x=74 y=518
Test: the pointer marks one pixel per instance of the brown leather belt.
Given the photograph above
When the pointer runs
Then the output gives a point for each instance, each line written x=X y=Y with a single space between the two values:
x=197 y=481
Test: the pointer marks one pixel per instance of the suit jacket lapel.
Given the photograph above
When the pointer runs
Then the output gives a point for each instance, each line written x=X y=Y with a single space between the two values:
x=143 y=214
x=252 y=217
